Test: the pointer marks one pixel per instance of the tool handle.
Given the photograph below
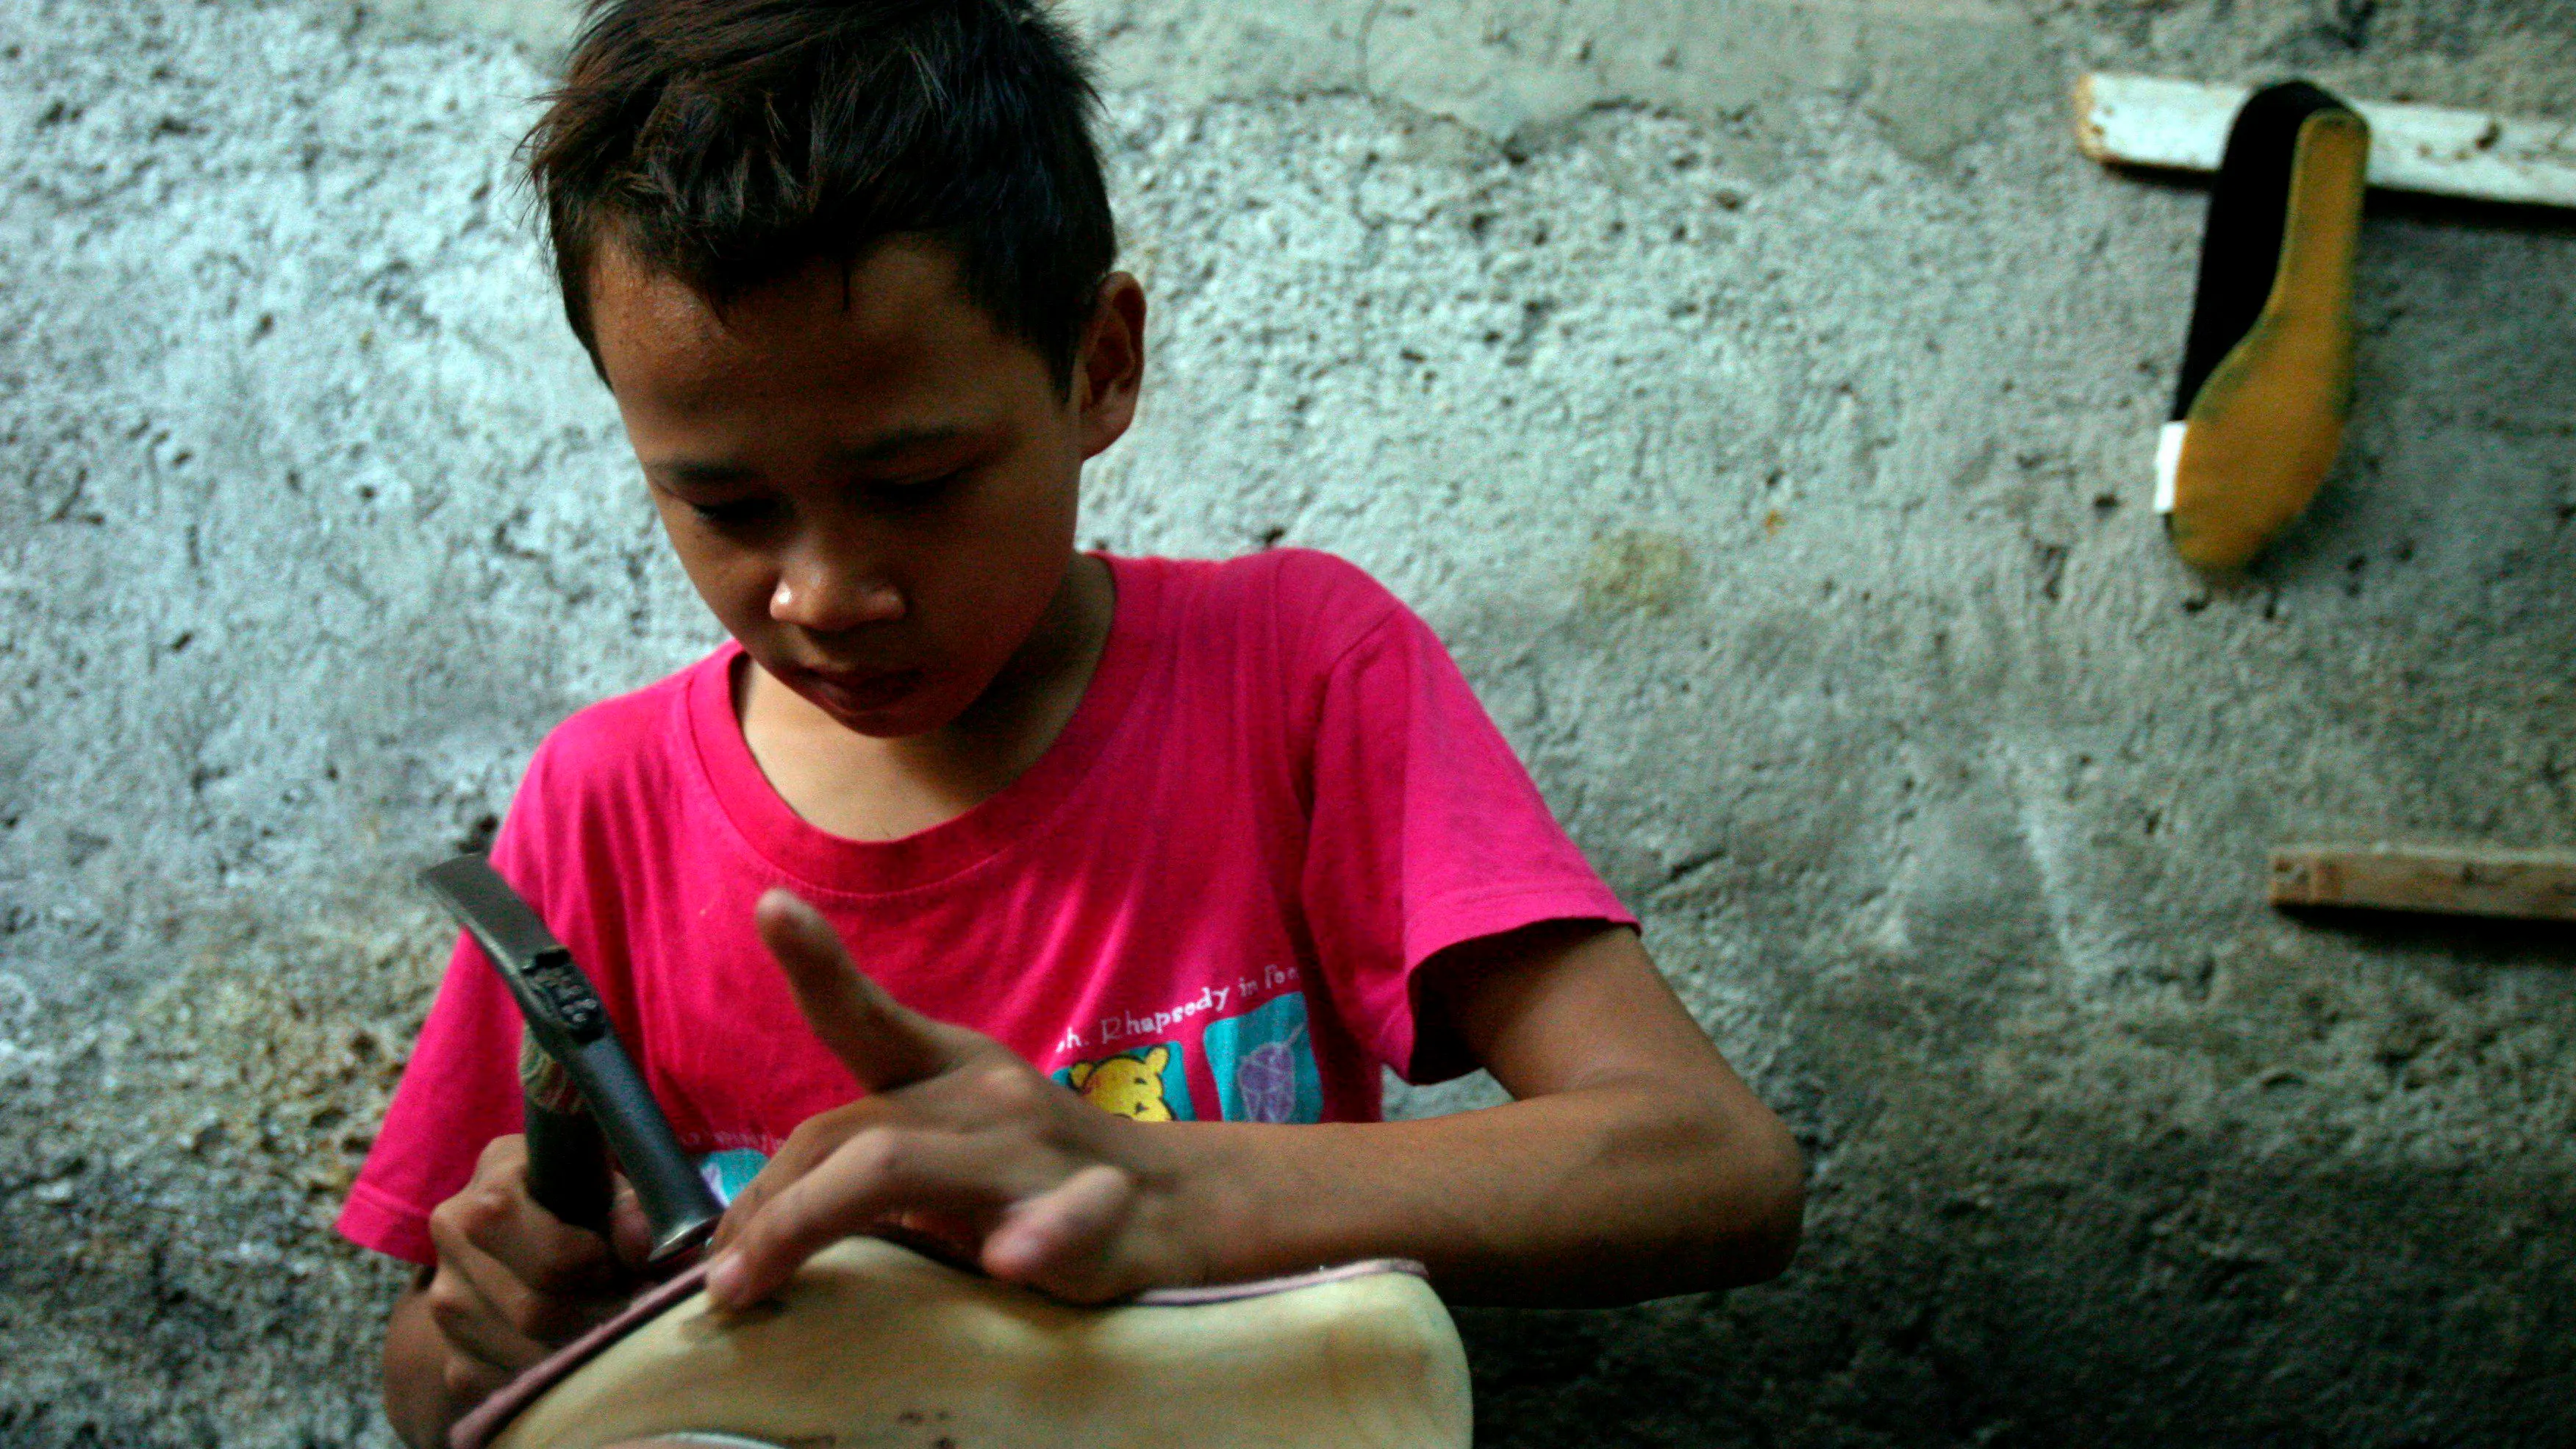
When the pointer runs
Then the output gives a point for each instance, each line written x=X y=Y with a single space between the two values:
x=680 y=1205
x=568 y=1167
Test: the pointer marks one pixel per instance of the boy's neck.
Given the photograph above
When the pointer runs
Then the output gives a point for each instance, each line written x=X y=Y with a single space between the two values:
x=862 y=788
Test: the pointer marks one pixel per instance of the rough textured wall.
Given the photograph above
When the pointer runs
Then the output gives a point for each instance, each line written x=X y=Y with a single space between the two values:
x=1758 y=394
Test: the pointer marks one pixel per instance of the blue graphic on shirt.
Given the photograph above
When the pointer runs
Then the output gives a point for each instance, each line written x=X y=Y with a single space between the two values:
x=1264 y=1064
x=730 y=1171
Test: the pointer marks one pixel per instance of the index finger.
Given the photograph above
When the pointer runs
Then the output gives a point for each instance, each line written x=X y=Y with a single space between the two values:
x=882 y=1043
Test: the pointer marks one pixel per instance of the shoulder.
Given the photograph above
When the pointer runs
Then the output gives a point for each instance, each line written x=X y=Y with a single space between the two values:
x=604 y=784
x=1312 y=582
x=1315 y=604
x=621 y=746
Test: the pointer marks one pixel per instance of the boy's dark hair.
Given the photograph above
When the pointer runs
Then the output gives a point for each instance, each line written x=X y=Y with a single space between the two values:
x=727 y=142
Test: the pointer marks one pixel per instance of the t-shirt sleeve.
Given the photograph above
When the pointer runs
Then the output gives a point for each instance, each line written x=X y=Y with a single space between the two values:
x=1424 y=831
x=460 y=1088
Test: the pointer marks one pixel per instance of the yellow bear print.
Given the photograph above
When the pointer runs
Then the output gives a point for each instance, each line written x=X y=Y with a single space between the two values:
x=1129 y=1085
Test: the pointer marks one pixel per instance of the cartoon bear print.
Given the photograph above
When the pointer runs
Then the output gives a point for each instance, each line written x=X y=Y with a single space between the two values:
x=1129 y=1085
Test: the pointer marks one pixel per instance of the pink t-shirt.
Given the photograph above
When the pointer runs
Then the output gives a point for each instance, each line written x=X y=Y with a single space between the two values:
x=1207 y=900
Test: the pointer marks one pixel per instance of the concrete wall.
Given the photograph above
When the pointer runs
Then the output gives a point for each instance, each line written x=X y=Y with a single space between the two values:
x=1758 y=394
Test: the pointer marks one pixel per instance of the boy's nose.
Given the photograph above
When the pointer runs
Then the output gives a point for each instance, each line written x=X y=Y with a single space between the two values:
x=831 y=600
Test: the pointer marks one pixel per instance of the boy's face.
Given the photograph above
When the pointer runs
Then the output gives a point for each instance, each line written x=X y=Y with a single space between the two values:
x=870 y=484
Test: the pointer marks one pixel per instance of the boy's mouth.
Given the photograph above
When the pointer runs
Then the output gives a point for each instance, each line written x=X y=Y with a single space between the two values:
x=857 y=693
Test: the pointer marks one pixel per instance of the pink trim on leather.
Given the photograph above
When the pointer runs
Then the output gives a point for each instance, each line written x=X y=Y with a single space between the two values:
x=485 y=1424
x=1264 y=1287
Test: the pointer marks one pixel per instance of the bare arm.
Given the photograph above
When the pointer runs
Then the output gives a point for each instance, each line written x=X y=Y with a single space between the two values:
x=1635 y=1165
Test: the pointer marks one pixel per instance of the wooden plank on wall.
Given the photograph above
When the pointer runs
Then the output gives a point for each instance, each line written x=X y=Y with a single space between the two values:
x=2458 y=880
x=2137 y=120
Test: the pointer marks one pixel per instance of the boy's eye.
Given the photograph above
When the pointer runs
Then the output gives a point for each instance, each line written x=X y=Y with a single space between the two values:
x=919 y=490
x=737 y=513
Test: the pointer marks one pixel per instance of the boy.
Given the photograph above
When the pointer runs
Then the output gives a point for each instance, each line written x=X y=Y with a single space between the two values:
x=1201 y=845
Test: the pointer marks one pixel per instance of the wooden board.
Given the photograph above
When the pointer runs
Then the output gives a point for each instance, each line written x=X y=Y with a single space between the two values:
x=2136 y=120
x=2538 y=885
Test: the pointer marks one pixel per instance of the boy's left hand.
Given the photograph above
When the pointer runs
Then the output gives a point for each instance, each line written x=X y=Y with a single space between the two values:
x=959 y=1140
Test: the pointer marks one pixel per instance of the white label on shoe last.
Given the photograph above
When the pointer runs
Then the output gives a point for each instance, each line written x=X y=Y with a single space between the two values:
x=2168 y=460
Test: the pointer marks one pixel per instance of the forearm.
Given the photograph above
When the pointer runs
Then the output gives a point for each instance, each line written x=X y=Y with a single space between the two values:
x=1609 y=1193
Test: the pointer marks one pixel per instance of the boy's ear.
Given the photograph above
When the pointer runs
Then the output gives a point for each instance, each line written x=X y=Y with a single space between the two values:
x=1111 y=366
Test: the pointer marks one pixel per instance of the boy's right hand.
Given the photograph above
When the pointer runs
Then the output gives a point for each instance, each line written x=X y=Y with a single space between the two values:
x=513 y=1283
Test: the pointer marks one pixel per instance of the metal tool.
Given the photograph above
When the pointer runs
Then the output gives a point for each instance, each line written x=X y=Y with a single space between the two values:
x=568 y=1030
